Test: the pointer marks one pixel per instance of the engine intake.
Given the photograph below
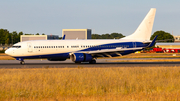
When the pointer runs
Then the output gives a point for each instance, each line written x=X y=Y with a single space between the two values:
x=80 y=57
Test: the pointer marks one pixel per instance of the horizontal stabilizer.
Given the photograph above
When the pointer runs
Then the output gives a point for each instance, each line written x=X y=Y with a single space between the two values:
x=153 y=42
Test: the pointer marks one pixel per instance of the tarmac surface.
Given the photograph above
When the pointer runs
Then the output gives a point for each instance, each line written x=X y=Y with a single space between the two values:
x=69 y=64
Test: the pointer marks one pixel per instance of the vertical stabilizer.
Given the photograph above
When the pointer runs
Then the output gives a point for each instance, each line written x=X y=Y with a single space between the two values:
x=143 y=32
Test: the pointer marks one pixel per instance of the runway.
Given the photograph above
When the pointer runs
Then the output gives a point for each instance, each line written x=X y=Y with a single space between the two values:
x=69 y=64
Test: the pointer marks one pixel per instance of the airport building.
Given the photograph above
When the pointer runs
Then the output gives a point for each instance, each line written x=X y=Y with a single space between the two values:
x=176 y=38
x=168 y=45
x=38 y=37
x=77 y=33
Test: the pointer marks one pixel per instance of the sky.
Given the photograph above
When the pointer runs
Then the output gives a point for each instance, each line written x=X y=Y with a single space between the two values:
x=102 y=16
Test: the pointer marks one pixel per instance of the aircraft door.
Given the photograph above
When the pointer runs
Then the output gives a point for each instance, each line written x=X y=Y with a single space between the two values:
x=30 y=48
x=134 y=44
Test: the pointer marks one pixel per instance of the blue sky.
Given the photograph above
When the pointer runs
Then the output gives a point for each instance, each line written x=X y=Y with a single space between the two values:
x=102 y=16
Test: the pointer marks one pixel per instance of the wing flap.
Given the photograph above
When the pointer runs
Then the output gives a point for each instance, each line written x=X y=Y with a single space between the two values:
x=112 y=50
x=108 y=52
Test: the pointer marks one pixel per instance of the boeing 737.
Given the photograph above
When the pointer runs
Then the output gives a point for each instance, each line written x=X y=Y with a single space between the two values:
x=86 y=50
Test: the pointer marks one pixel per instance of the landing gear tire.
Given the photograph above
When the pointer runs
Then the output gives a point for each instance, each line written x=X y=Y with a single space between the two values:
x=92 y=62
x=22 y=62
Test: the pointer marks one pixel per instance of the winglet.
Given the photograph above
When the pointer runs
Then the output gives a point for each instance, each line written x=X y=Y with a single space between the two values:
x=153 y=42
x=64 y=37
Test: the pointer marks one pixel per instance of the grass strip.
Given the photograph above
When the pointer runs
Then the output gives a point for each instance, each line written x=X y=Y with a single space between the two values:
x=133 y=83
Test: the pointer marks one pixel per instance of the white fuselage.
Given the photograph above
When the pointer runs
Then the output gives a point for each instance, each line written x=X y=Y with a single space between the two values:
x=47 y=47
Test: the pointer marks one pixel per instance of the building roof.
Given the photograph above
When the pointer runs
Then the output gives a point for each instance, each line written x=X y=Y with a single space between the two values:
x=170 y=43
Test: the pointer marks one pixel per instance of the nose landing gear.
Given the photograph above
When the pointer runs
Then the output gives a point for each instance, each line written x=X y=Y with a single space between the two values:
x=21 y=61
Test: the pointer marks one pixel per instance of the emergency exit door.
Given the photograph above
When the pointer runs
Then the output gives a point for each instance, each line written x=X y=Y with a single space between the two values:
x=30 y=48
x=134 y=44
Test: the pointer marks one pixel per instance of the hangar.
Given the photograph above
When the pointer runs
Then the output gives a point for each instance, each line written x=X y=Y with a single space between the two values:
x=77 y=33
x=168 y=45
x=37 y=37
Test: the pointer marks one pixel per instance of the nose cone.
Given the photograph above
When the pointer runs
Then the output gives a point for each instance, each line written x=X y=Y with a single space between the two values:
x=8 y=52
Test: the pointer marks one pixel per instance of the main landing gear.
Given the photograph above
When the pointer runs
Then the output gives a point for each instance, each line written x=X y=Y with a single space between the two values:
x=93 y=61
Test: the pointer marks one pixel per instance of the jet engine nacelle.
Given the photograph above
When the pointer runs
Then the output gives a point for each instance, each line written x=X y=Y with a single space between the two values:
x=80 y=57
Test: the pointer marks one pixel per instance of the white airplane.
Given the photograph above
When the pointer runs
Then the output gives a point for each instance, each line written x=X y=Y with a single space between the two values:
x=86 y=50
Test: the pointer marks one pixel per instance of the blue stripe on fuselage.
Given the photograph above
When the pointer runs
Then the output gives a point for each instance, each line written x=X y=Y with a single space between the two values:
x=115 y=45
x=60 y=55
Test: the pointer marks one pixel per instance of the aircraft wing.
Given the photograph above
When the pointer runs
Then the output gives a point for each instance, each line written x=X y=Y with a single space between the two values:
x=113 y=50
x=108 y=52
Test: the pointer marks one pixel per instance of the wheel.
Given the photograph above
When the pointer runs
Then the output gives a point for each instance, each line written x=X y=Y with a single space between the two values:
x=92 y=61
x=22 y=62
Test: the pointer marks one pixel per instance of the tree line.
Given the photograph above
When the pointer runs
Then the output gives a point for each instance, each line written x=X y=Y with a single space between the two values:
x=107 y=36
x=11 y=38
x=163 y=36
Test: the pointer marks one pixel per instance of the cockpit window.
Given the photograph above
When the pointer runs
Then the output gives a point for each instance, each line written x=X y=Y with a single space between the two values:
x=16 y=46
